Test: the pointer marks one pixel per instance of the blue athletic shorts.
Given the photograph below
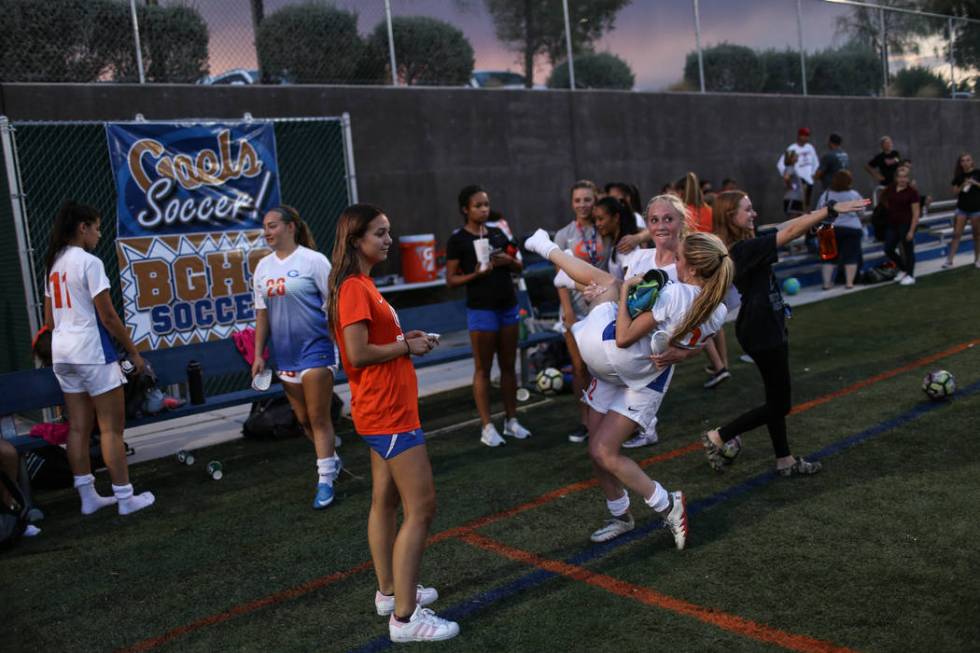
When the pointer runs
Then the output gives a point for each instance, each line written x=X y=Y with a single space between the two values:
x=970 y=215
x=389 y=446
x=479 y=319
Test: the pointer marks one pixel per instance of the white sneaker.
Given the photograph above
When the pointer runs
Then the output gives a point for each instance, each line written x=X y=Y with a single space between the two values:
x=947 y=265
x=901 y=275
x=513 y=428
x=907 y=281
x=613 y=528
x=424 y=626
x=676 y=519
x=385 y=604
x=642 y=440
x=540 y=243
x=745 y=358
x=490 y=437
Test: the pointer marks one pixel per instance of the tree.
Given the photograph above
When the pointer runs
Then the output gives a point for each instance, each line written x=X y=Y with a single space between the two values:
x=728 y=68
x=535 y=28
x=918 y=82
x=902 y=31
x=782 y=71
x=966 y=36
x=602 y=70
x=427 y=51
x=851 y=70
x=91 y=40
x=310 y=43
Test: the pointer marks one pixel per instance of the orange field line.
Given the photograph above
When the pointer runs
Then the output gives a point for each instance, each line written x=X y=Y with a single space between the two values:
x=647 y=596
x=468 y=528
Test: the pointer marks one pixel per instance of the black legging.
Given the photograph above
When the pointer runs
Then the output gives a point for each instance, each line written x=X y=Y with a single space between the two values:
x=895 y=237
x=773 y=365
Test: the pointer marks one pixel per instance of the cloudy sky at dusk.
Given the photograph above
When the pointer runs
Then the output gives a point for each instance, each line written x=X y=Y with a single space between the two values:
x=653 y=36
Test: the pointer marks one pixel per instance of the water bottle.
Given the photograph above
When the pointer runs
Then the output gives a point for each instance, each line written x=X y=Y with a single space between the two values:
x=195 y=383
x=828 y=243
x=215 y=470
x=522 y=328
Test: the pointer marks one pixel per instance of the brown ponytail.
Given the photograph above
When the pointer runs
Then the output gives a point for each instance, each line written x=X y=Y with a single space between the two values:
x=345 y=262
x=303 y=236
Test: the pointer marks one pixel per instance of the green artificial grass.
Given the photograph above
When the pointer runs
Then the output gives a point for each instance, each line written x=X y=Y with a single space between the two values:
x=876 y=553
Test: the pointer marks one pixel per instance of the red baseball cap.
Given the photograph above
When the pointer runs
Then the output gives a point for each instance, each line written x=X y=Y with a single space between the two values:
x=804 y=131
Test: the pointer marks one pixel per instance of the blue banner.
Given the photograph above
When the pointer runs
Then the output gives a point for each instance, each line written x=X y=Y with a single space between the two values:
x=183 y=178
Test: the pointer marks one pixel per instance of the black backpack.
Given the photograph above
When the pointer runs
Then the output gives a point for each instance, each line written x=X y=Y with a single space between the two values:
x=273 y=418
x=13 y=520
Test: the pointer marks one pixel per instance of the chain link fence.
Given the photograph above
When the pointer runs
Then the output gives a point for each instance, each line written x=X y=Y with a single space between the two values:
x=822 y=47
x=58 y=161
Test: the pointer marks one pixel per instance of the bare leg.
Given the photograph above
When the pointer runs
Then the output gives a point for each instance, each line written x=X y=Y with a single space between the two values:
x=580 y=374
x=711 y=350
x=484 y=343
x=959 y=224
x=850 y=271
x=605 y=449
x=110 y=409
x=507 y=357
x=975 y=223
x=827 y=272
x=412 y=475
x=611 y=488
x=721 y=345
x=81 y=419
x=381 y=522
x=582 y=272
x=317 y=390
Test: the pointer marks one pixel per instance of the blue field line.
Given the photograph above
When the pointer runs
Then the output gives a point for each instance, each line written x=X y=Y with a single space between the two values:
x=538 y=576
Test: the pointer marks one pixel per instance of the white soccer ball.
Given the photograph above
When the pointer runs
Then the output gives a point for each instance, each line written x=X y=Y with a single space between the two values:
x=939 y=385
x=550 y=381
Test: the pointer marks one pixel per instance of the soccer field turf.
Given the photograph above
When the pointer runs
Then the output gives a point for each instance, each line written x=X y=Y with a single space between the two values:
x=875 y=553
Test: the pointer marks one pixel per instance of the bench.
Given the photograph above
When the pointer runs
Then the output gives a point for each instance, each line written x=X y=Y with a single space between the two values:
x=37 y=389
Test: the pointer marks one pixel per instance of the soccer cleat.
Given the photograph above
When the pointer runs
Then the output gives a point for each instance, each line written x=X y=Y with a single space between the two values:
x=800 y=467
x=613 y=528
x=907 y=280
x=676 y=519
x=490 y=437
x=513 y=429
x=717 y=378
x=540 y=243
x=424 y=626
x=385 y=604
x=581 y=434
x=324 y=496
x=643 y=295
x=713 y=453
x=642 y=440
x=731 y=449
x=661 y=341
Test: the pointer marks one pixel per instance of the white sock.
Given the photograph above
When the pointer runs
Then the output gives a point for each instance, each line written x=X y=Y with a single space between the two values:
x=540 y=243
x=659 y=500
x=326 y=469
x=619 y=507
x=91 y=500
x=129 y=502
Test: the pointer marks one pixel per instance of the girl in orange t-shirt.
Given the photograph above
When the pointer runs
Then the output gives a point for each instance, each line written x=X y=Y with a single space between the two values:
x=384 y=405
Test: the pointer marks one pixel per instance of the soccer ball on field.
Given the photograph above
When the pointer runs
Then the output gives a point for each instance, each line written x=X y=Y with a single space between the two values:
x=549 y=381
x=939 y=385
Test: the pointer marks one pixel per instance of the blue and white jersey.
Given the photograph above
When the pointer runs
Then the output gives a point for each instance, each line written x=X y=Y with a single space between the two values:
x=72 y=284
x=294 y=292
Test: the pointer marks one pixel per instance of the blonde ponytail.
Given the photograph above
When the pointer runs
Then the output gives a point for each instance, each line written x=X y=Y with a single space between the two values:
x=706 y=255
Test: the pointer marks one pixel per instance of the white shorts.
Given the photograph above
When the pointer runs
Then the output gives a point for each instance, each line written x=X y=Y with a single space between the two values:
x=289 y=376
x=93 y=380
x=640 y=406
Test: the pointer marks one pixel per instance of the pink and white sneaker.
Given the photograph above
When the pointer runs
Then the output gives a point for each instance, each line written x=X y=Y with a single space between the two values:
x=385 y=604
x=424 y=626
